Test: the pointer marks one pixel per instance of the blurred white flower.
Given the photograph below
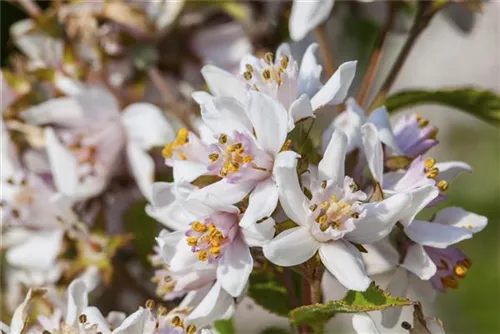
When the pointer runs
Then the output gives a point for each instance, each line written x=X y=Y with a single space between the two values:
x=307 y=15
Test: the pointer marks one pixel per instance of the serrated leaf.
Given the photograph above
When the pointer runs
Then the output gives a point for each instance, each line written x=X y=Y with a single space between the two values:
x=266 y=291
x=484 y=104
x=373 y=299
x=224 y=326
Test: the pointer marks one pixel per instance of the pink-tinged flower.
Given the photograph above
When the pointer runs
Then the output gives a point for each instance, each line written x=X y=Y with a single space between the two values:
x=298 y=89
x=307 y=15
x=245 y=146
x=424 y=179
x=352 y=120
x=414 y=135
x=430 y=261
x=86 y=134
x=336 y=215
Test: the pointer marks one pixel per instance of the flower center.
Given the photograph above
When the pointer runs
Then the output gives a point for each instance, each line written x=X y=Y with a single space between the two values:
x=175 y=146
x=333 y=212
x=451 y=264
x=269 y=73
x=206 y=240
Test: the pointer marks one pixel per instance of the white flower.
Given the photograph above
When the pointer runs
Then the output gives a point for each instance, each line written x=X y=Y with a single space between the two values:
x=364 y=324
x=87 y=135
x=298 y=89
x=307 y=15
x=424 y=179
x=335 y=216
x=245 y=146
x=430 y=261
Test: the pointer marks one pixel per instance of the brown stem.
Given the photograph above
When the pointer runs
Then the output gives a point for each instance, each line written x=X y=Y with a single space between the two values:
x=376 y=56
x=326 y=54
x=316 y=294
x=31 y=8
x=288 y=283
x=421 y=22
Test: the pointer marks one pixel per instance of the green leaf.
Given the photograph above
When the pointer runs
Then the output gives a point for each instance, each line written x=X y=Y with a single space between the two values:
x=266 y=291
x=143 y=229
x=484 y=104
x=224 y=326
x=373 y=299
x=276 y=330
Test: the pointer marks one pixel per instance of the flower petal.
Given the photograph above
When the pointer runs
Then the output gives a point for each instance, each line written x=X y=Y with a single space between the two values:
x=185 y=170
x=292 y=199
x=379 y=219
x=332 y=166
x=225 y=115
x=344 y=262
x=262 y=202
x=373 y=151
x=270 y=121
x=364 y=324
x=141 y=321
x=381 y=257
x=77 y=301
x=380 y=118
x=146 y=126
x=216 y=305
x=95 y=317
x=142 y=167
x=398 y=287
x=307 y=15
x=461 y=218
x=336 y=88
x=259 y=234
x=235 y=267
x=420 y=198
x=418 y=262
x=224 y=192
x=300 y=109
x=310 y=72
x=451 y=169
x=291 y=247
x=223 y=83
x=436 y=235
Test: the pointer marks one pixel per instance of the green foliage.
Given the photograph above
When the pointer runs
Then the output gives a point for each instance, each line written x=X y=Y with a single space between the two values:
x=275 y=330
x=225 y=326
x=373 y=299
x=267 y=291
x=484 y=104
x=143 y=229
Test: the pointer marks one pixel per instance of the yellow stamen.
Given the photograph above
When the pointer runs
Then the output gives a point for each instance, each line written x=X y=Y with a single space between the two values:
x=449 y=282
x=192 y=241
x=150 y=304
x=442 y=185
x=246 y=159
x=247 y=75
x=323 y=184
x=433 y=173
x=266 y=75
x=268 y=57
x=82 y=318
x=313 y=207
x=203 y=255
x=355 y=215
x=213 y=157
x=249 y=68
x=429 y=163
x=177 y=322
x=191 y=329
x=168 y=279
x=285 y=60
x=198 y=227
x=460 y=271
x=181 y=139
x=423 y=123
x=215 y=250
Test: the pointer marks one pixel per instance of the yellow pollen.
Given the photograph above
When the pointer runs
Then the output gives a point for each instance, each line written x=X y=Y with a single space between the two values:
x=460 y=271
x=432 y=173
x=191 y=329
x=268 y=57
x=429 y=163
x=162 y=310
x=449 y=282
x=285 y=60
x=313 y=207
x=323 y=226
x=177 y=322
x=324 y=205
x=82 y=318
x=249 y=68
x=150 y=304
x=215 y=250
x=423 y=123
x=198 y=227
x=213 y=157
x=322 y=219
x=167 y=279
x=181 y=139
x=335 y=224
x=246 y=159
x=442 y=185
x=222 y=138
x=192 y=241
x=203 y=255
x=247 y=75
x=266 y=75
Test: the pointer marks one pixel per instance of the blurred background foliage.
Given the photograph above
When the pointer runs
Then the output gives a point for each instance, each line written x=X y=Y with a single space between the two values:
x=475 y=306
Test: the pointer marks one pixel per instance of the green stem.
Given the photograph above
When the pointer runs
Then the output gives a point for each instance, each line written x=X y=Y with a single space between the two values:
x=422 y=19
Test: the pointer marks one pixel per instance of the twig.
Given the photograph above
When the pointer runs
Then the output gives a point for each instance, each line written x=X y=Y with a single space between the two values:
x=376 y=56
x=421 y=22
x=326 y=54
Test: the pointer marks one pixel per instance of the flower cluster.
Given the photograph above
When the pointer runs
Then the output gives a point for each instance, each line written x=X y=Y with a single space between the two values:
x=97 y=116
